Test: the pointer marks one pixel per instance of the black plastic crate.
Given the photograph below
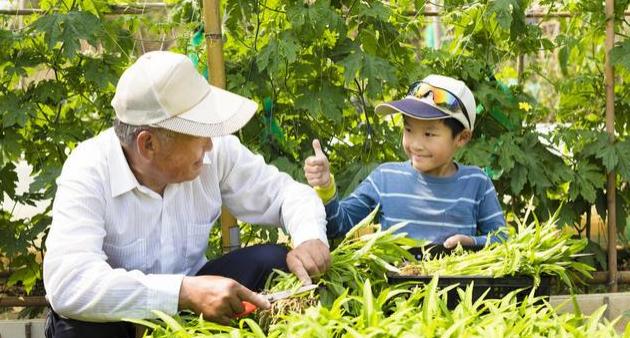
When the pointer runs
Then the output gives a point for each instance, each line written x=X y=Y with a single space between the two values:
x=498 y=287
x=439 y=250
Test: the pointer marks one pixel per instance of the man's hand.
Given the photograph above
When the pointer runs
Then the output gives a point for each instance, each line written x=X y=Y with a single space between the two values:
x=309 y=259
x=217 y=298
x=317 y=168
x=464 y=240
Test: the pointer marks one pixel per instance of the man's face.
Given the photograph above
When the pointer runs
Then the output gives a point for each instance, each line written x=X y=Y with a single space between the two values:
x=430 y=146
x=180 y=157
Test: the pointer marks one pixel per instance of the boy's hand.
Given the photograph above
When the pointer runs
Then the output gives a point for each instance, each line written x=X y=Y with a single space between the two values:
x=464 y=240
x=317 y=168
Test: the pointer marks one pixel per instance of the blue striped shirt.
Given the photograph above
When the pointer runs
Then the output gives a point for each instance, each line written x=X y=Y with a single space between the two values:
x=434 y=207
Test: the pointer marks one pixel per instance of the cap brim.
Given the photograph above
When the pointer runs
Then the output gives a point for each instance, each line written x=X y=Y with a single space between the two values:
x=411 y=107
x=218 y=113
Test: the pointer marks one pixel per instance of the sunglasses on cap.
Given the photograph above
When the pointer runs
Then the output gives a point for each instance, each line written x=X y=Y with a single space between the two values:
x=441 y=97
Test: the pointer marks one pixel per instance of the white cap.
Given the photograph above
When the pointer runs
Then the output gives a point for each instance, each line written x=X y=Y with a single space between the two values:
x=163 y=89
x=426 y=109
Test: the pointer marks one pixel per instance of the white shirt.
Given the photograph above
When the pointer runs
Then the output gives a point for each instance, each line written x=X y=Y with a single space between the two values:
x=117 y=249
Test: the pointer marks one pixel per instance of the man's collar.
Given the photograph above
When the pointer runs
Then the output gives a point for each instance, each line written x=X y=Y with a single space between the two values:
x=121 y=177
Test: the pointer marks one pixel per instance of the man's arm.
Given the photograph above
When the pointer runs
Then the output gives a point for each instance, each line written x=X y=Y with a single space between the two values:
x=217 y=298
x=258 y=193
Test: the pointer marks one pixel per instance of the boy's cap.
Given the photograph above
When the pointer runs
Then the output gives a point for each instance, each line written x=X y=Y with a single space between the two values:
x=426 y=109
x=163 y=89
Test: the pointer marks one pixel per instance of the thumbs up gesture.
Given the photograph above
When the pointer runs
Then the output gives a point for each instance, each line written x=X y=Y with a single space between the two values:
x=317 y=167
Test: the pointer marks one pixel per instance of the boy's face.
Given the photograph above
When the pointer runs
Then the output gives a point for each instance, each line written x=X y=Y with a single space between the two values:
x=430 y=145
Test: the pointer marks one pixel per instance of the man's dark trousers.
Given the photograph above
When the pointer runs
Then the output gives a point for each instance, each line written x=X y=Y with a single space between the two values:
x=249 y=266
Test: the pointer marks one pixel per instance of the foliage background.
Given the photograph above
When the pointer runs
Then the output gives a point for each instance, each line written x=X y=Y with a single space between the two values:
x=317 y=69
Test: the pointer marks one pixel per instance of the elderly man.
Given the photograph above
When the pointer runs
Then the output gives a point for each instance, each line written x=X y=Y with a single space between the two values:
x=135 y=205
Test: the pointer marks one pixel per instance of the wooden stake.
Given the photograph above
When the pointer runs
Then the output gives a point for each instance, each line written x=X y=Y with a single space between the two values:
x=610 y=128
x=230 y=232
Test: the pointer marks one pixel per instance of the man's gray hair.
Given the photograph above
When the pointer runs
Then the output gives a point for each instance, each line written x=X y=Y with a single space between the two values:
x=127 y=133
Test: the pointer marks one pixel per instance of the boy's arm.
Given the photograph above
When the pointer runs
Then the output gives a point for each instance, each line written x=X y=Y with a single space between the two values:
x=327 y=193
x=343 y=215
x=340 y=216
x=490 y=217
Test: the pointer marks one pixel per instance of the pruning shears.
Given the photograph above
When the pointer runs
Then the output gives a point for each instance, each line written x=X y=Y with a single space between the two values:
x=273 y=297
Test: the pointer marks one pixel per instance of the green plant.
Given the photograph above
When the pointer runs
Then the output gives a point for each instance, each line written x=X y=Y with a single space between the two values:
x=532 y=250
x=318 y=68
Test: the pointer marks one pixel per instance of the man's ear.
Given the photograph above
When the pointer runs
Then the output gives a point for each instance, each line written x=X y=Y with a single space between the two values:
x=147 y=144
x=463 y=137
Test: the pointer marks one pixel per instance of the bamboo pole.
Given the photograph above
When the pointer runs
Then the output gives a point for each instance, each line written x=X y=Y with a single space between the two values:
x=230 y=232
x=214 y=43
x=27 y=301
x=610 y=128
x=603 y=277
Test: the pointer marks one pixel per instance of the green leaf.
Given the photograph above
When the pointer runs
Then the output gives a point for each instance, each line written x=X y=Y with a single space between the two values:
x=478 y=153
x=328 y=101
x=142 y=322
x=310 y=22
x=69 y=29
x=596 y=146
x=509 y=153
x=332 y=101
x=283 y=48
x=518 y=179
x=51 y=26
x=608 y=155
x=377 y=70
x=351 y=66
x=45 y=179
x=8 y=180
x=308 y=102
x=11 y=149
x=267 y=55
x=171 y=322
x=369 y=41
x=587 y=179
x=568 y=214
x=536 y=178
x=620 y=54
x=374 y=9
x=503 y=10
x=601 y=203
x=99 y=72
x=623 y=157
x=563 y=59
x=48 y=92
x=13 y=110
x=285 y=165
x=288 y=46
x=27 y=274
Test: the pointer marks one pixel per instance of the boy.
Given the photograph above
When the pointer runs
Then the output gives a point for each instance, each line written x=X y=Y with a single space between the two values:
x=442 y=201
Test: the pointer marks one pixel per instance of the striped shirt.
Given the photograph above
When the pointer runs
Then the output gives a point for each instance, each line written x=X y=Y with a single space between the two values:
x=434 y=207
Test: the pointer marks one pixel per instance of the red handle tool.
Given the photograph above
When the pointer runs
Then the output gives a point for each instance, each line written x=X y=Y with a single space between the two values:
x=272 y=297
x=249 y=308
